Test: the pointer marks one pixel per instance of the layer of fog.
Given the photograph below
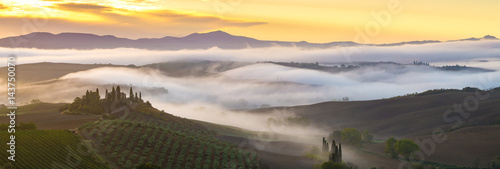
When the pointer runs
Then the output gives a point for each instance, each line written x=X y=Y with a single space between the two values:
x=435 y=53
x=215 y=99
x=266 y=84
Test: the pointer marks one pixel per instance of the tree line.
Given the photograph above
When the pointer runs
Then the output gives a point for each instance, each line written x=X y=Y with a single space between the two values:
x=352 y=136
x=91 y=102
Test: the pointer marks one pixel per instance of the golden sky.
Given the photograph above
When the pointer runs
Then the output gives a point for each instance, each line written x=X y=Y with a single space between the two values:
x=374 y=21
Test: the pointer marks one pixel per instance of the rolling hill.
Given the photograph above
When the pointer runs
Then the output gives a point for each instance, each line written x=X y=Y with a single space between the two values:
x=414 y=117
x=47 y=116
x=148 y=135
x=220 y=39
x=469 y=146
x=83 y=41
x=124 y=138
x=400 y=116
x=38 y=72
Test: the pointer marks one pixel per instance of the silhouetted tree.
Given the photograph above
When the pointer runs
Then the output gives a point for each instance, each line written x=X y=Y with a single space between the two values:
x=76 y=104
x=87 y=97
x=131 y=95
x=113 y=94
x=118 y=93
x=97 y=93
x=107 y=97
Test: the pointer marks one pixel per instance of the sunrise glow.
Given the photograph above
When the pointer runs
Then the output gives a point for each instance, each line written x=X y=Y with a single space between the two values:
x=313 y=21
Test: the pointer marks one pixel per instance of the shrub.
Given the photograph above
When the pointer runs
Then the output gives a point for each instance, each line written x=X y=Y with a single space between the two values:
x=405 y=147
x=390 y=147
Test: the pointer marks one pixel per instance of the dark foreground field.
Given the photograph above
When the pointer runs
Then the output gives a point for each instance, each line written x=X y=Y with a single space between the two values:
x=47 y=116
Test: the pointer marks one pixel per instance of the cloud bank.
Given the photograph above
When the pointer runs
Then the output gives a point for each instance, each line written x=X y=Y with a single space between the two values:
x=471 y=52
x=217 y=98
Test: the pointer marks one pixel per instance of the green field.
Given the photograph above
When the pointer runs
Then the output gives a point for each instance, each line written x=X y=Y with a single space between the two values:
x=48 y=149
x=136 y=138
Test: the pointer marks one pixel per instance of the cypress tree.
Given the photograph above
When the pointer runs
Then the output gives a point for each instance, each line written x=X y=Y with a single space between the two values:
x=106 y=96
x=131 y=96
x=97 y=93
x=113 y=94
x=87 y=99
x=140 y=96
x=340 y=152
x=136 y=98
x=118 y=93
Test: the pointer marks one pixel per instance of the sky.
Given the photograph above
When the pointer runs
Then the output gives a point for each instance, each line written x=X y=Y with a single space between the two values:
x=374 y=21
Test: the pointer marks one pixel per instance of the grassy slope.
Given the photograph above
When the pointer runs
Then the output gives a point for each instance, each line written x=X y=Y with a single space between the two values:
x=165 y=130
x=403 y=116
x=36 y=72
x=47 y=116
x=461 y=147
x=145 y=134
x=48 y=149
x=411 y=117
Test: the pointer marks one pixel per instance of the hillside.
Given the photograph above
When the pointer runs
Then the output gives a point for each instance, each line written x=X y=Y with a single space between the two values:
x=413 y=117
x=131 y=133
x=47 y=116
x=400 y=116
x=37 y=72
x=462 y=147
x=144 y=134
x=49 y=149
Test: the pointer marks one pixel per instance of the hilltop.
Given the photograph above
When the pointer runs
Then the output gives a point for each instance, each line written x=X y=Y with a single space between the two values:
x=220 y=39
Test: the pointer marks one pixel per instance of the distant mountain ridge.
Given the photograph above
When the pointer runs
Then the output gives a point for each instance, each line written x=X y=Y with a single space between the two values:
x=220 y=39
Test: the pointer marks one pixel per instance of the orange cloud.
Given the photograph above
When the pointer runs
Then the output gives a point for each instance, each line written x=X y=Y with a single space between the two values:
x=109 y=20
x=133 y=22
x=169 y=17
x=3 y=7
x=81 y=6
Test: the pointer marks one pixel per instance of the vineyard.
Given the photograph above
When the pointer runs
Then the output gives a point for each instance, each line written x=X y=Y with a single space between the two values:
x=48 y=149
x=164 y=140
